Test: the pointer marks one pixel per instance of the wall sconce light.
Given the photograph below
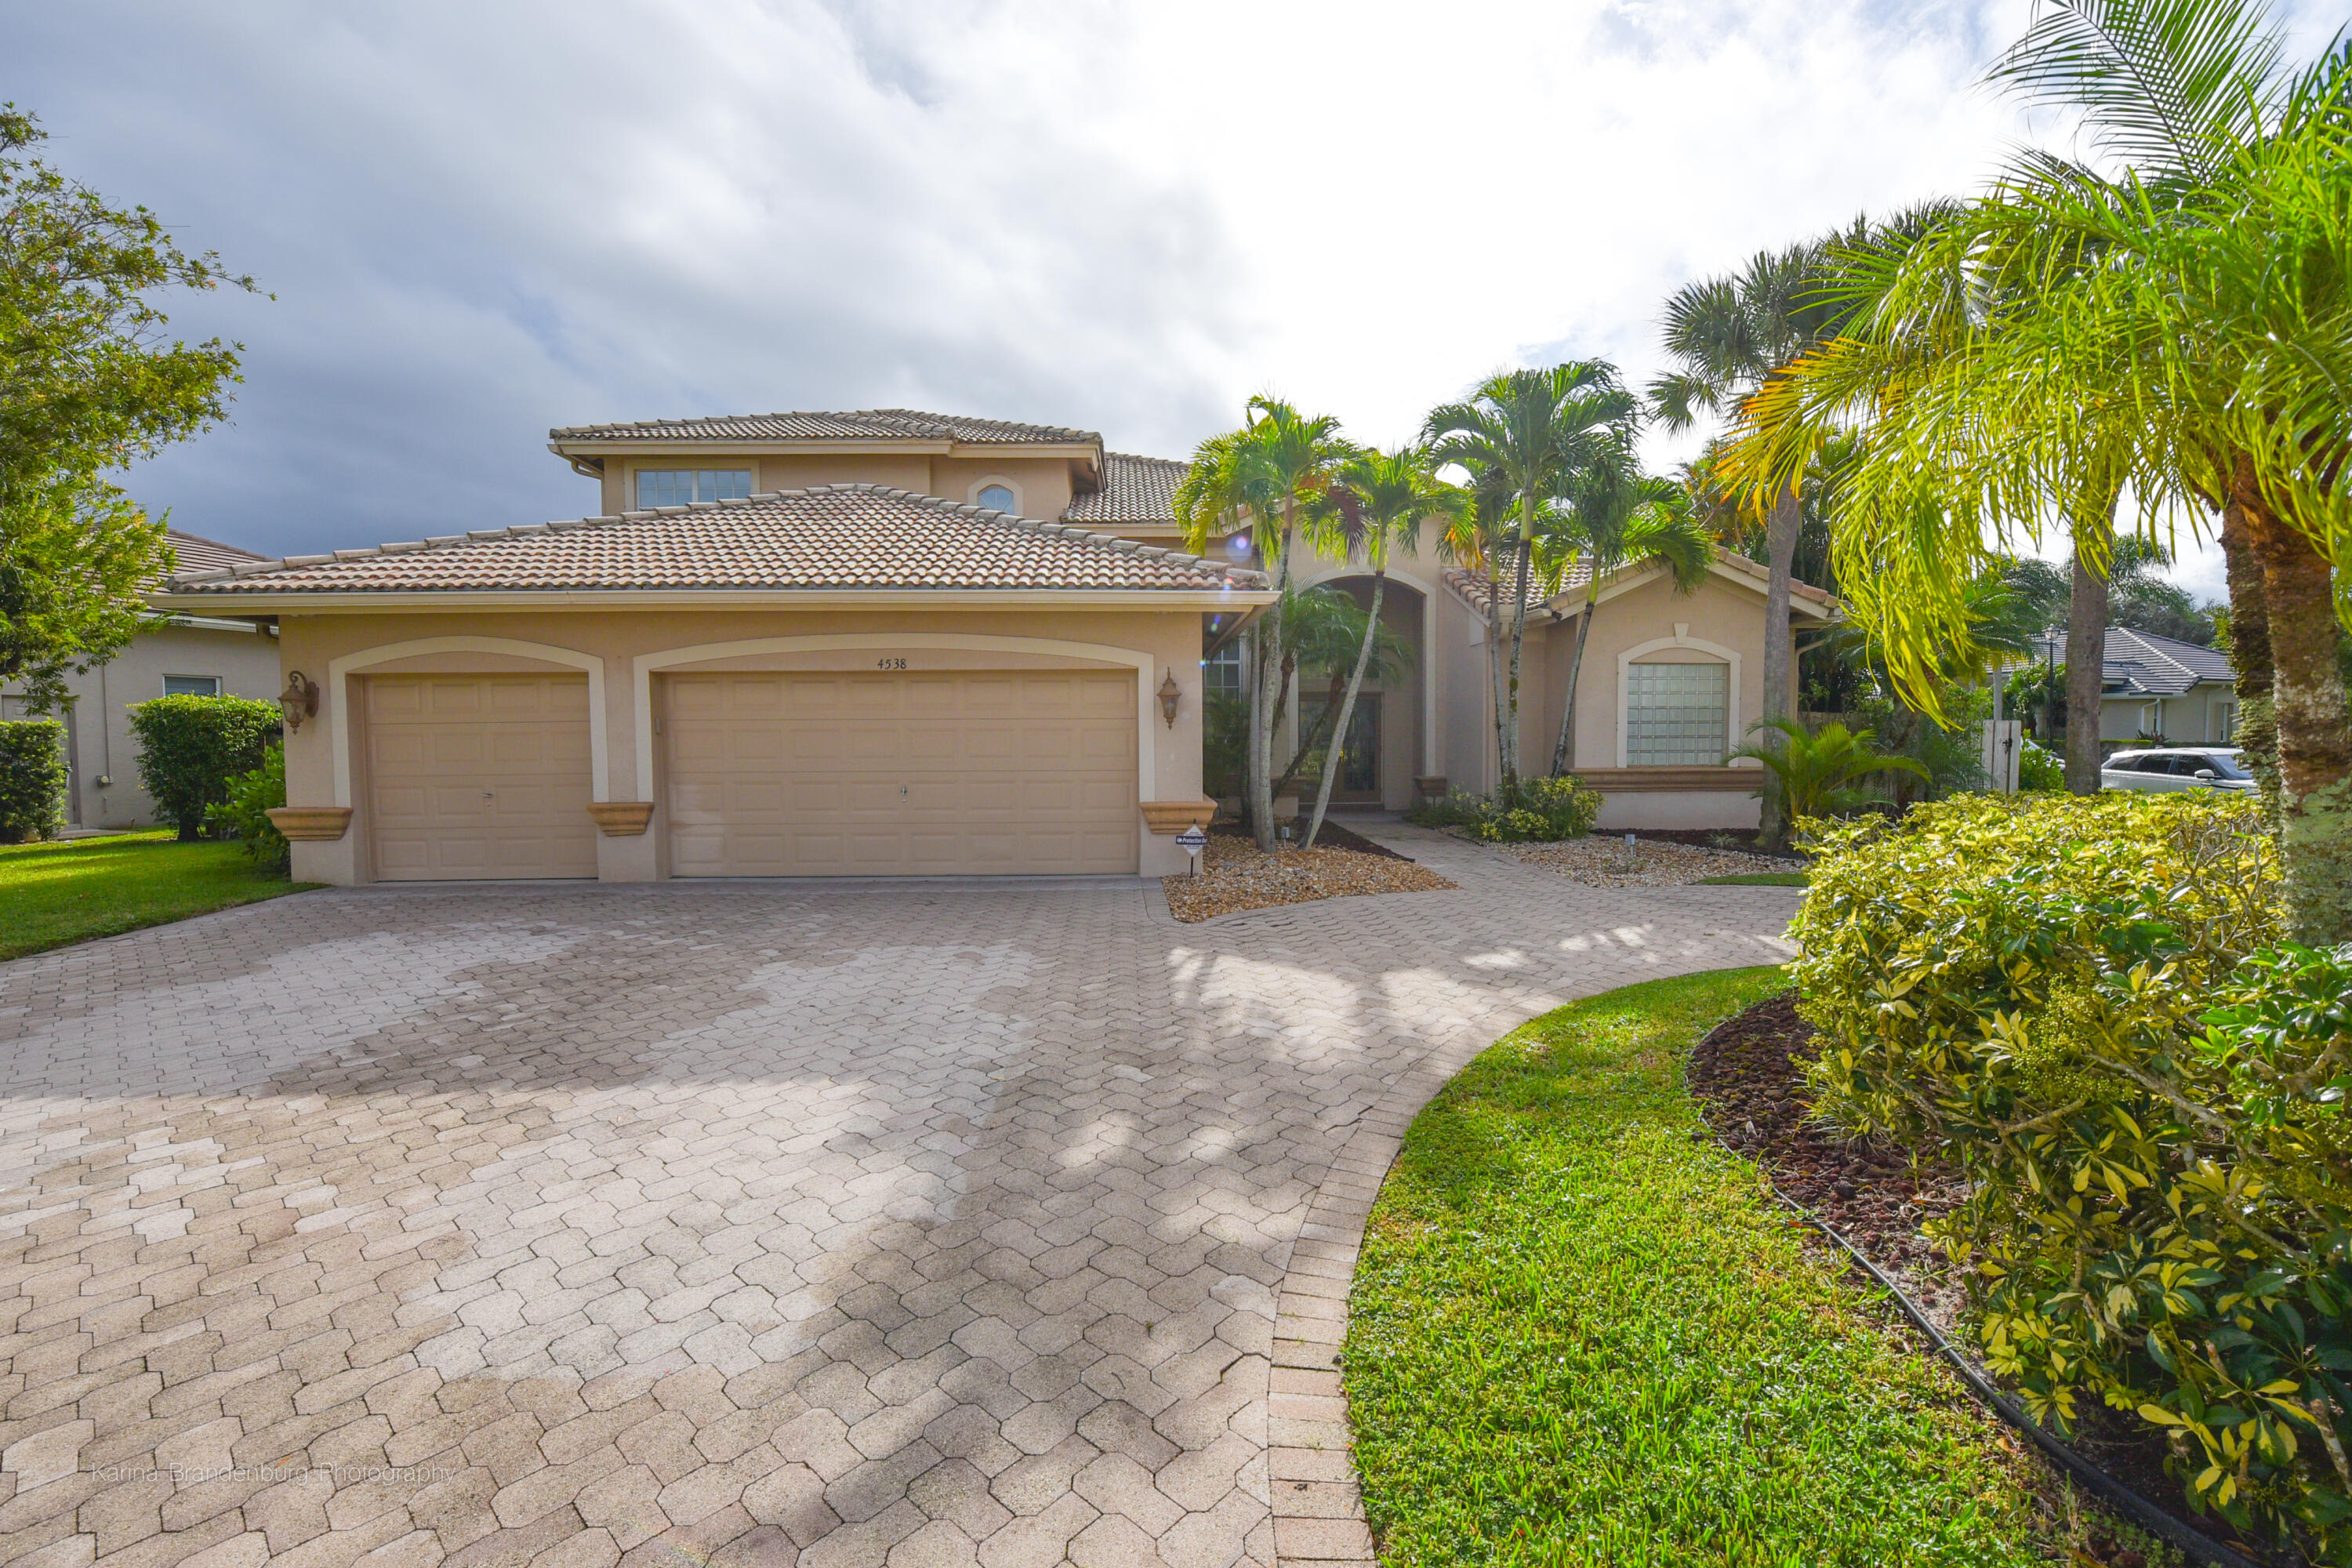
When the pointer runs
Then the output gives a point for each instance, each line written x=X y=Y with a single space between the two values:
x=299 y=701
x=1169 y=692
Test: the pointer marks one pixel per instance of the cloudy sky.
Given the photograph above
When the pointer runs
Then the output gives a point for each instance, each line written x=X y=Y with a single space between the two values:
x=479 y=220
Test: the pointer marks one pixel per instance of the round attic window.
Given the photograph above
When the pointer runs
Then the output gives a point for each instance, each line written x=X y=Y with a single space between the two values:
x=997 y=498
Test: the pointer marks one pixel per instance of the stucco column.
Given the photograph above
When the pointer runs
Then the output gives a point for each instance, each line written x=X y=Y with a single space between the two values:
x=625 y=857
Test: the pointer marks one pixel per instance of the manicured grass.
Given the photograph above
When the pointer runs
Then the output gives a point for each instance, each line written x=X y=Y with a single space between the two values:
x=1756 y=879
x=52 y=894
x=1581 y=1333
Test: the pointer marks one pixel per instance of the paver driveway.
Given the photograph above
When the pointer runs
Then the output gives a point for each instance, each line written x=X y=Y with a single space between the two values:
x=828 y=1226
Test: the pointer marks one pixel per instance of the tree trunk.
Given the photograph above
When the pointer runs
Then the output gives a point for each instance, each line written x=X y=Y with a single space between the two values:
x=1494 y=667
x=2086 y=651
x=1780 y=551
x=1519 y=648
x=1338 y=753
x=1562 y=750
x=1263 y=714
x=2315 y=734
x=2250 y=636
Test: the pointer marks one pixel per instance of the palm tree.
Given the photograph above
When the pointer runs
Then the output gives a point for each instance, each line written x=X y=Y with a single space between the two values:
x=1731 y=337
x=1817 y=775
x=2182 y=325
x=1264 y=473
x=1616 y=516
x=1526 y=434
x=1376 y=500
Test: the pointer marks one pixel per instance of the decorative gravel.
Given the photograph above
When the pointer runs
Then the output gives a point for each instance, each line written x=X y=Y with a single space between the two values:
x=1603 y=861
x=1236 y=875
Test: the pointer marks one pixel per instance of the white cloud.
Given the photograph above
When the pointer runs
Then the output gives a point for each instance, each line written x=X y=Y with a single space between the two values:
x=484 y=220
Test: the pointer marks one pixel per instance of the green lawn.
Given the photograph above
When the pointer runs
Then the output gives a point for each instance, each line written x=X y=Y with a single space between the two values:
x=1755 y=879
x=1581 y=1334
x=52 y=894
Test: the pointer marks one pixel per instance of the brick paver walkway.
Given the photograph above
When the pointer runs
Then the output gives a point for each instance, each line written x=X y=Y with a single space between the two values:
x=925 y=1225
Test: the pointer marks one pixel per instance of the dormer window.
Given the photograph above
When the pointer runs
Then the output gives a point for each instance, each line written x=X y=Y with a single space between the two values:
x=683 y=487
x=998 y=498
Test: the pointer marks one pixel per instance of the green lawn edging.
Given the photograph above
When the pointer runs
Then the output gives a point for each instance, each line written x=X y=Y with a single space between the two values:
x=75 y=889
x=1580 y=1332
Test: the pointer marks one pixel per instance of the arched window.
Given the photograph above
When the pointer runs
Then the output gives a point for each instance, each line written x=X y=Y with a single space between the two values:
x=998 y=498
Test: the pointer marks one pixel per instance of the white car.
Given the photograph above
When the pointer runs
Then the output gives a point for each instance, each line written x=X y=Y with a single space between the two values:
x=2177 y=767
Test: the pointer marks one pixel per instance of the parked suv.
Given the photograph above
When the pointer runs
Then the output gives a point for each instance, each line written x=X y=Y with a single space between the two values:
x=2176 y=767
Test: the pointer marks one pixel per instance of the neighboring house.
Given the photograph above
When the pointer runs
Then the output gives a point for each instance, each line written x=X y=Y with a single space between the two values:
x=892 y=643
x=208 y=655
x=2156 y=689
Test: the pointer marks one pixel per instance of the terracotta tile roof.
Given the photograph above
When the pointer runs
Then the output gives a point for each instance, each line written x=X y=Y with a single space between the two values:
x=1134 y=490
x=2143 y=663
x=1476 y=592
x=864 y=424
x=194 y=553
x=845 y=536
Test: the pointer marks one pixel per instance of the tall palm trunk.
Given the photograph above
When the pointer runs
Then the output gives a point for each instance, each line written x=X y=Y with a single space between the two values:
x=1495 y=664
x=1519 y=646
x=1780 y=533
x=1562 y=750
x=2256 y=733
x=1338 y=752
x=2315 y=731
x=1265 y=710
x=2087 y=644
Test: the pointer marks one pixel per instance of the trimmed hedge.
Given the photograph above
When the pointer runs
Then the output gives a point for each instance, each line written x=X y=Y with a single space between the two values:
x=32 y=778
x=244 y=815
x=190 y=747
x=2084 y=1003
x=1535 y=811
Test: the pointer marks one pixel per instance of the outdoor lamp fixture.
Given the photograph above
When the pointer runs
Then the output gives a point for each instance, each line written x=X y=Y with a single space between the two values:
x=1168 y=694
x=299 y=701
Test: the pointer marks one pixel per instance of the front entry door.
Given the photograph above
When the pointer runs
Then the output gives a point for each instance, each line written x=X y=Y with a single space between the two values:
x=1358 y=783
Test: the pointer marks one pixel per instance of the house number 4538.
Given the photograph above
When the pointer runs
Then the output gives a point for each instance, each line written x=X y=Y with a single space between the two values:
x=889 y=664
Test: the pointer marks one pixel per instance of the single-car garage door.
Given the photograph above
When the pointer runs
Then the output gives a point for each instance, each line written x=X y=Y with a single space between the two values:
x=480 y=775
x=958 y=772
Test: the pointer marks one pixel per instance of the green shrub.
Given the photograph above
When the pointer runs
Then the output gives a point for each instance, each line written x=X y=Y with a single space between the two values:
x=2081 y=1002
x=190 y=747
x=1534 y=810
x=245 y=815
x=32 y=778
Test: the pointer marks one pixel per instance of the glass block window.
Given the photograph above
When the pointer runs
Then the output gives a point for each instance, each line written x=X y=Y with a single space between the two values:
x=682 y=486
x=1677 y=715
x=192 y=686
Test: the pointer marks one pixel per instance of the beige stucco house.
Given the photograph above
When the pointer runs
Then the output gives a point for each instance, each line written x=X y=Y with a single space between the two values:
x=197 y=654
x=888 y=643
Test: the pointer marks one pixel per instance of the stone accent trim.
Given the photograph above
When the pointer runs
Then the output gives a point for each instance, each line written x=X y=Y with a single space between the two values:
x=622 y=818
x=1166 y=816
x=311 y=824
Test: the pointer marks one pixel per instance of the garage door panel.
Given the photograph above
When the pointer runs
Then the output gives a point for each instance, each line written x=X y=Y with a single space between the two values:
x=902 y=774
x=479 y=776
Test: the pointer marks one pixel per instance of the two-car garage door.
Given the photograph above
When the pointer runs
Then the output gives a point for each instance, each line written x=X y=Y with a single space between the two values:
x=866 y=774
x=767 y=775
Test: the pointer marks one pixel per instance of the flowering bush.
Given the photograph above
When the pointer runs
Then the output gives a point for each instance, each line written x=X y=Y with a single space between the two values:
x=1534 y=810
x=2083 y=1002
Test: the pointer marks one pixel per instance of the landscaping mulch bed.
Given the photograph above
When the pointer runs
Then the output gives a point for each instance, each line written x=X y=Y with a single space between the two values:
x=1236 y=875
x=1743 y=839
x=1746 y=1076
x=1602 y=860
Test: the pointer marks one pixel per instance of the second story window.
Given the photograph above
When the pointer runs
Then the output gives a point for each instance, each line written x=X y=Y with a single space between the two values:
x=681 y=487
x=997 y=498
